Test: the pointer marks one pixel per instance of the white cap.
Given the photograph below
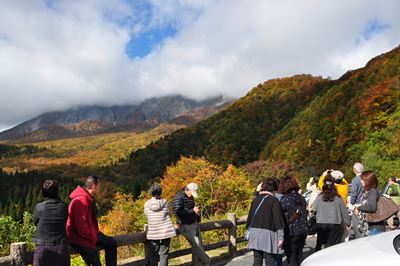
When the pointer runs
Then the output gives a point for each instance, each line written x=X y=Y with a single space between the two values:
x=193 y=187
x=337 y=174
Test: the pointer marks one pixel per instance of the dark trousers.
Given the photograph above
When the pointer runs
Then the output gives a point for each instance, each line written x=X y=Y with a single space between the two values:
x=259 y=256
x=91 y=256
x=278 y=259
x=329 y=234
x=294 y=249
x=159 y=250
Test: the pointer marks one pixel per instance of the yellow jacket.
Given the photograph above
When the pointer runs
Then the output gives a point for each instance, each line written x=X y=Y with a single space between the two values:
x=342 y=188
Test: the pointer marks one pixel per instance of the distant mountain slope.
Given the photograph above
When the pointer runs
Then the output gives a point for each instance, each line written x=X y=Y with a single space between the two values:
x=89 y=120
x=237 y=134
x=358 y=118
x=309 y=122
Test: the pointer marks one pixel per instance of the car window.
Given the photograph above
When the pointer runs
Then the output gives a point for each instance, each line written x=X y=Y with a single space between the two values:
x=396 y=243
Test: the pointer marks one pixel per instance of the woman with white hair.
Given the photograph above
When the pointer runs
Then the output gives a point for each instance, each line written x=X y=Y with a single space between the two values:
x=356 y=187
x=356 y=198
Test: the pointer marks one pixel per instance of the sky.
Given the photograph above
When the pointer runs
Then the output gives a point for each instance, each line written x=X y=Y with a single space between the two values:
x=55 y=55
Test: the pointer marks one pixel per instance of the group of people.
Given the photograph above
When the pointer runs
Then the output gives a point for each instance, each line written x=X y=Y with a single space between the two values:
x=277 y=222
x=161 y=229
x=59 y=226
x=278 y=218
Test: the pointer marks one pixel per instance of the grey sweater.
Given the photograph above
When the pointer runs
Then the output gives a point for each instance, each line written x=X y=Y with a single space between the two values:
x=333 y=212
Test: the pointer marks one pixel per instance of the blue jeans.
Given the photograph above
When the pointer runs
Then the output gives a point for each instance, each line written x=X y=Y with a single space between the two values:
x=278 y=259
x=374 y=231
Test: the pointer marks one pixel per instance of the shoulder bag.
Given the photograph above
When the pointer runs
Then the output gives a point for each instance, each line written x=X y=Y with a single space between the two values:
x=384 y=210
x=247 y=234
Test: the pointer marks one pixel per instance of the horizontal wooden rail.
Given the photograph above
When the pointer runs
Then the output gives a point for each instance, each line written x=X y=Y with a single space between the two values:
x=20 y=257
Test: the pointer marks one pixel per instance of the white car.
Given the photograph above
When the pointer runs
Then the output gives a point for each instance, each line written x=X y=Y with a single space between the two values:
x=380 y=249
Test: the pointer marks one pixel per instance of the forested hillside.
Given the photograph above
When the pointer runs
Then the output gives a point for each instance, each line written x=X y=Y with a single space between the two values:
x=357 y=119
x=308 y=122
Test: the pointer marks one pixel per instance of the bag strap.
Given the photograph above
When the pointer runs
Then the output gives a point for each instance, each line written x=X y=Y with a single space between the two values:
x=255 y=212
x=298 y=211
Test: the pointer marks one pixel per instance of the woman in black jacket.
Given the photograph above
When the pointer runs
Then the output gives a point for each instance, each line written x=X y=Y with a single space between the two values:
x=265 y=223
x=50 y=217
x=370 y=198
x=295 y=213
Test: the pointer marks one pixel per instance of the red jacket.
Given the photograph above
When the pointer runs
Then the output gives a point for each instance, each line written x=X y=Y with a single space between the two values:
x=82 y=227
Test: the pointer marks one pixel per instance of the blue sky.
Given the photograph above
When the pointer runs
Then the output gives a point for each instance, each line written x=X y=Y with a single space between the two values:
x=142 y=44
x=374 y=27
x=58 y=54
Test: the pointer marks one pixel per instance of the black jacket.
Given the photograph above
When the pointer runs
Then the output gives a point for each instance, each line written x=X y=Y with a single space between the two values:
x=269 y=216
x=290 y=203
x=183 y=208
x=50 y=218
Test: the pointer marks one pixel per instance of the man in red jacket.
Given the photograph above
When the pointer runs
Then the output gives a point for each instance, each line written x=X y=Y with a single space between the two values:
x=82 y=228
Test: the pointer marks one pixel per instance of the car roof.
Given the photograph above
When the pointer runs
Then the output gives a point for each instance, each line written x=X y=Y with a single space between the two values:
x=370 y=250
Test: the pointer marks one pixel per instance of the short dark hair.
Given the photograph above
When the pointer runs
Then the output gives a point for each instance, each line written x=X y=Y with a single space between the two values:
x=288 y=185
x=370 y=180
x=50 y=189
x=393 y=179
x=155 y=190
x=91 y=180
x=269 y=184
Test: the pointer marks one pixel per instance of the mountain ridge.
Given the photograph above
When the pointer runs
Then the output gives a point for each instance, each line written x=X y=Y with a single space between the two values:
x=91 y=120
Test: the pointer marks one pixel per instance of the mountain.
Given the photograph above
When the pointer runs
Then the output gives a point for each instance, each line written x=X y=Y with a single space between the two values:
x=90 y=120
x=237 y=134
x=309 y=122
x=356 y=119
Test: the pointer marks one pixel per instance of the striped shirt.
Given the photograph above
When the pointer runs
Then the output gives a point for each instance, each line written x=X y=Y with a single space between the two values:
x=158 y=219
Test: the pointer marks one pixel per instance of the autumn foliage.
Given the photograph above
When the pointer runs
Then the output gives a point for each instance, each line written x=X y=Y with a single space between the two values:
x=220 y=190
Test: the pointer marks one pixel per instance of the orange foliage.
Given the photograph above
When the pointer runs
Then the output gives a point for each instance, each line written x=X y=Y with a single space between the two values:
x=218 y=191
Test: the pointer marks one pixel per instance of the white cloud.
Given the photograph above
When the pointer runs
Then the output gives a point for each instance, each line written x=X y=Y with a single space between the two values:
x=74 y=52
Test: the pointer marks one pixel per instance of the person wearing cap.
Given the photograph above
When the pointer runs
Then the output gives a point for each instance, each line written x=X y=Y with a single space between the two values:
x=341 y=184
x=187 y=219
x=342 y=188
x=160 y=228
x=331 y=214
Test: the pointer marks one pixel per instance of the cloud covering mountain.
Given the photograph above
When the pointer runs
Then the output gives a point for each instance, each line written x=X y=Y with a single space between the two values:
x=59 y=54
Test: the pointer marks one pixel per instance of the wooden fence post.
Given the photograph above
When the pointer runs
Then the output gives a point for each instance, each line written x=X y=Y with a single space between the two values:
x=146 y=247
x=232 y=235
x=18 y=253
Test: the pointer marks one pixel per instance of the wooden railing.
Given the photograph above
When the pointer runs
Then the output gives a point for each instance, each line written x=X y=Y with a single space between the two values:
x=20 y=257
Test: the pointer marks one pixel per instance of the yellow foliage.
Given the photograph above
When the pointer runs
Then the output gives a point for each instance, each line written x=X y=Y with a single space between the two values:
x=219 y=191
